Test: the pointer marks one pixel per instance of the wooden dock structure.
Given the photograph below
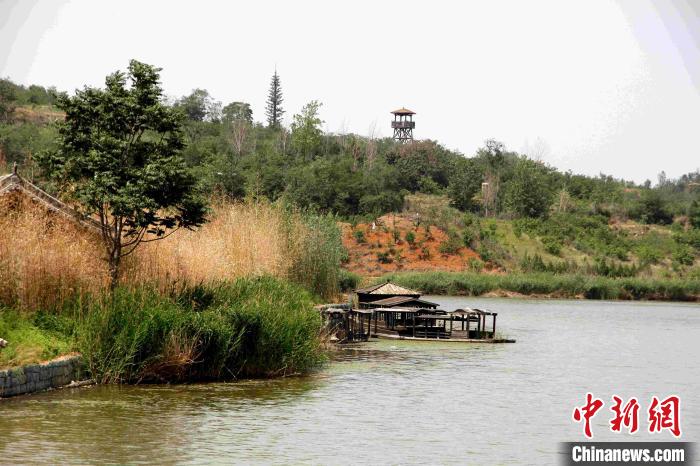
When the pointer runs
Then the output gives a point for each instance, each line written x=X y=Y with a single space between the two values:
x=393 y=312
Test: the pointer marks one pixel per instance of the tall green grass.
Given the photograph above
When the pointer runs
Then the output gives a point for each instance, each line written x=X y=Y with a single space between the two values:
x=318 y=254
x=252 y=327
x=560 y=285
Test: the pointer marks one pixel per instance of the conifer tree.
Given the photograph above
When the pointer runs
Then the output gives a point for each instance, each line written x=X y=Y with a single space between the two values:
x=274 y=109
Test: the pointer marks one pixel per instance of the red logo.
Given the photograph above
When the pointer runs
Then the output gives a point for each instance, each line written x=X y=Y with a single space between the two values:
x=586 y=412
x=662 y=415
x=627 y=416
x=665 y=415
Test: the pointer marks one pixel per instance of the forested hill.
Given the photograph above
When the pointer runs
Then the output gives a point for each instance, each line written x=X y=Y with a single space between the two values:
x=565 y=218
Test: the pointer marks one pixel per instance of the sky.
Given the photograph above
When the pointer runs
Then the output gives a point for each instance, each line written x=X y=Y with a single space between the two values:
x=591 y=87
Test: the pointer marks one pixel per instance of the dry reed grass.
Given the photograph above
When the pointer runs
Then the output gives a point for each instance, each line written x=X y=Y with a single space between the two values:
x=242 y=239
x=46 y=260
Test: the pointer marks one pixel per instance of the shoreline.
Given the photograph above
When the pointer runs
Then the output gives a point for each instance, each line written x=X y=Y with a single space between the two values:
x=63 y=371
x=505 y=294
x=547 y=286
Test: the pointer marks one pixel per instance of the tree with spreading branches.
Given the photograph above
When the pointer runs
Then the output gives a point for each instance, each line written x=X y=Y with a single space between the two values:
x=119 y=157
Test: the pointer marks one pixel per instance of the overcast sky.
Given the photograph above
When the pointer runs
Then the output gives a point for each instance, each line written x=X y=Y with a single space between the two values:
x=590 y=86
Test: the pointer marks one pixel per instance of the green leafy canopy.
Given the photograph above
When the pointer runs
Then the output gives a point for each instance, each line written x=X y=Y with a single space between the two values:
x=119 y=156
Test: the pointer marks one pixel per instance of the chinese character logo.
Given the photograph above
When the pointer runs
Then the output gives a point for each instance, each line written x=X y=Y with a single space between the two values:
x=586 y=413
x=662 y=414
x=627 y=416
x=665 y=415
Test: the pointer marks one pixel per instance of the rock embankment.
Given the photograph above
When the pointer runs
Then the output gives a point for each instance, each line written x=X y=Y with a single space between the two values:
x=37 y=377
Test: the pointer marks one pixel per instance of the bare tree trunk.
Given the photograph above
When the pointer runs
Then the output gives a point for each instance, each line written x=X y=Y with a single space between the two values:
x=238 y=133
x=115 y=258
x=283 y=136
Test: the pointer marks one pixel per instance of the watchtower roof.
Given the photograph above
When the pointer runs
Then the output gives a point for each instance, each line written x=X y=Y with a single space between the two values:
x=403 y=111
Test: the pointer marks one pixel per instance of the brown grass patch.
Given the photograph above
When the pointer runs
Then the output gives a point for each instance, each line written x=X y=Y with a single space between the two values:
x=46 y=259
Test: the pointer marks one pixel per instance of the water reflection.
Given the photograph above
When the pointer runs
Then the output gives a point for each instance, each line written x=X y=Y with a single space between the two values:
x=386 y=402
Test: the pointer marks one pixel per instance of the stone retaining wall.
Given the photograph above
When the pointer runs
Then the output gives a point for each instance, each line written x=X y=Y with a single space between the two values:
x=36 y=377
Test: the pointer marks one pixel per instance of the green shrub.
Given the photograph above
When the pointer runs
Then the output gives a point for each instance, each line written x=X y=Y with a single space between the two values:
x=690 y=238
x=484 y=252
x=410 y=238
x=359 y=236
x=607 y=268
x=452 y=244
x=552 y=245
x=475 y=264
x=648 y=254
x=683 y=255
x=694 y=214
x=587 y=233
x=469 y=237
x=348 y=281
x=537 y=264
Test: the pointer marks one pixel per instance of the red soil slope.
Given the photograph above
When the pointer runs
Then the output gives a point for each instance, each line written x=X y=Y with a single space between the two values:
x=379 y=241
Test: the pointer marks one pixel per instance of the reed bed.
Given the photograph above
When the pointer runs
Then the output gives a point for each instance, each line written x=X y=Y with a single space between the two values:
x=251 y=327
x=232 y=299
x=47 y=261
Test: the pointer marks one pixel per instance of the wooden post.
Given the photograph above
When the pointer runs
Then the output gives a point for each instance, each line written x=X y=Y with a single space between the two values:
x=413 y=319
x=468 y=322
x=478 y=328
x=375 y=321
x=494 y=325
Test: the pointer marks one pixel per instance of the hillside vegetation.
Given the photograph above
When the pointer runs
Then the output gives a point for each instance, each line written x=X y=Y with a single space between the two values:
x=413 y=207
x=430 y=235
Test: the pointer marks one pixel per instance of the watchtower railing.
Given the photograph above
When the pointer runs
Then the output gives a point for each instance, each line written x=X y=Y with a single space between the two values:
x=403 y=124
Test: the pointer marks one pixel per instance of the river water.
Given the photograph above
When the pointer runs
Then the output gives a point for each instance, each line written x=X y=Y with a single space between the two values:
x=390 y=402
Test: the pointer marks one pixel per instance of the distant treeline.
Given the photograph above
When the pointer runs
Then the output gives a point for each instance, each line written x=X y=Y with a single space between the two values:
x=364 y=176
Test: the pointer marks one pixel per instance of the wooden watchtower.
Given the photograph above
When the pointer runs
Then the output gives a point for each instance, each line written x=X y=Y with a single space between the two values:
x=403 y=125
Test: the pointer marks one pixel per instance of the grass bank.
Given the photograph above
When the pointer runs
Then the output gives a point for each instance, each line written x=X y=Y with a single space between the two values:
x=31 y=339
x=251 y=327
x=549 y=284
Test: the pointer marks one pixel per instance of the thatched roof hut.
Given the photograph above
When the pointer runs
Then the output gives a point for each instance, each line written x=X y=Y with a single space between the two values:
x=390 y=295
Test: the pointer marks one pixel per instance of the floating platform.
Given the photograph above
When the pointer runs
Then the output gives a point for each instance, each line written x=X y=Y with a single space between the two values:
x=393 y=312
x=385 y=336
